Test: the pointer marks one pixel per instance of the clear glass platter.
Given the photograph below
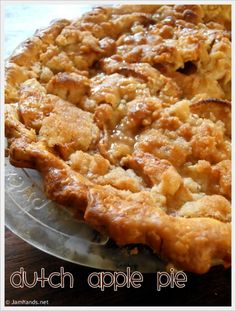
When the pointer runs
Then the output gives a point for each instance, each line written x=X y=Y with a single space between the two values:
x=52 y=229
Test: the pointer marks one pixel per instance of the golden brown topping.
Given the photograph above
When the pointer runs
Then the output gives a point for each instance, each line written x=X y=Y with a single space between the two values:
x=214 y=206
x=68 y=129
x=146 y=165
x=220 y=14
x=89 y=165
x=121 y=179
x=34 y=105
x=209 y=142
x=69 y=86
x=214 y=109
x=223 y=170
x=176 y=149
x=15 y=75
x=125 y=112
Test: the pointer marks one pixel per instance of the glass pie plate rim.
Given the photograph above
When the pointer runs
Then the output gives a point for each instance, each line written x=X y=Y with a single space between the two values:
x=52 y=229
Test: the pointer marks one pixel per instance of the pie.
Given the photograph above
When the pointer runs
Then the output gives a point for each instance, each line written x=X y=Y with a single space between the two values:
x=126 y=113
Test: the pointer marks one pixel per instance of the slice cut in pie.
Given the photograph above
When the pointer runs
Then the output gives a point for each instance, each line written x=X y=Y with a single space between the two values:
x=126 y=113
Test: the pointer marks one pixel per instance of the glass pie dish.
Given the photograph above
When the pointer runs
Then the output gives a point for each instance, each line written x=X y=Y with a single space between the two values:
x=52 y=229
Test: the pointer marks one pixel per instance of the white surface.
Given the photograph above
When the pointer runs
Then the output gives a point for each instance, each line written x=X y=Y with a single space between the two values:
x=22 y=20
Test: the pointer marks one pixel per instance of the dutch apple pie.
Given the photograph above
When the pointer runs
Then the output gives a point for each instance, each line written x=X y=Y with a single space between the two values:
x=126 y=113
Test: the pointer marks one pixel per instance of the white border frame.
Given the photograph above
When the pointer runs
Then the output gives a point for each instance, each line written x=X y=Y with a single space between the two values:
x=2 y=197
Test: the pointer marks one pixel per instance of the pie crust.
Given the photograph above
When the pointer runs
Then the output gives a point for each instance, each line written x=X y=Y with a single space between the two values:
x=126 y=113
